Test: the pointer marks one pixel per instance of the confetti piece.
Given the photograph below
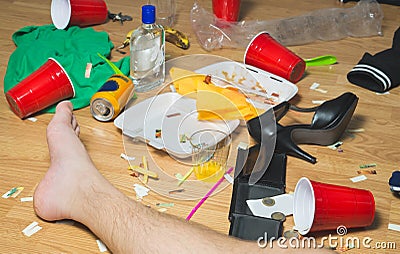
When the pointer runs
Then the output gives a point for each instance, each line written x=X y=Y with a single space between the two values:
x=162 y=210
x=17 y=192
x=243 y=145
x=186 y=176
x=32 y=119
x=88 y=70
x=314 y=86
x=178 y=176
x=321 y=90
x=141 y=191
x=208 y=194
x=182 y=138
x=370 y=165
x=174 y=114
x=165 y=204
x=31 y=229
x=101 y=245
x=9 y=193
x=229 y=178
x=275 y=95
x=126 y=157
x=355 y=130
x=176 y=191
x=319 y=102
x=336 y=145
x=358 y=178
x=394 y=227
x=27 y=199
x=134 y=174
x=158 y=133
x=367 y=171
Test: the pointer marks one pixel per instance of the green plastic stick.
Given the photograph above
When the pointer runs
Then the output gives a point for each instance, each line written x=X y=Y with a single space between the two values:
x=115 y=68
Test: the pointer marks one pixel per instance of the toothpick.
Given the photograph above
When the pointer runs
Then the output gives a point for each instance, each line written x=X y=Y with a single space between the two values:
x=142 y=171
x=145 y=176
x=186 y=176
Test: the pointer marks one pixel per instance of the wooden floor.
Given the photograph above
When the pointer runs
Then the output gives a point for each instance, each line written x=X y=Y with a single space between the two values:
x=24 y=155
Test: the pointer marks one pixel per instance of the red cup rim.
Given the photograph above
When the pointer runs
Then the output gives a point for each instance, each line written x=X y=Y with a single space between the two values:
x=251 y=41
x=66 y=74
x=60 y=19
x=304 y=227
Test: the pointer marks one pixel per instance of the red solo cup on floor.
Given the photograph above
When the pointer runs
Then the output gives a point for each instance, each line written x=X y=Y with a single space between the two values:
x=44 y=87
x=320 y=206
x=266 y=53
x=226 y=9
x=78 y=12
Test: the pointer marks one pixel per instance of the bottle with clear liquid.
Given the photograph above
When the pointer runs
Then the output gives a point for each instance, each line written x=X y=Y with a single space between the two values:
x=147 y=52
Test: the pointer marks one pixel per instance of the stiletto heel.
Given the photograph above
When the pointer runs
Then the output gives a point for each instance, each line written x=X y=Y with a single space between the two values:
x=328 y=124
x=286 y=144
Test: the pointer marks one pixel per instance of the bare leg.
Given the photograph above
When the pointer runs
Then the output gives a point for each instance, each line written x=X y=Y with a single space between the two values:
x=74 y=189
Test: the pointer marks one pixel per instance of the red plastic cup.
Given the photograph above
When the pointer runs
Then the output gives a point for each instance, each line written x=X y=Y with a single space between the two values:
x=78 y=12
x=44 y=87
x=269 y=55
x=226 y=9
x=320 y=206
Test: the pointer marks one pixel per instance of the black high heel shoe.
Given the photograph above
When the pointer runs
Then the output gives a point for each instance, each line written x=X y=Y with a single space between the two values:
x=328 y=124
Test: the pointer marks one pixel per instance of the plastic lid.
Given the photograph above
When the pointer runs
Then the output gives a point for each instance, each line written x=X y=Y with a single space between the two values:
x=148 y=14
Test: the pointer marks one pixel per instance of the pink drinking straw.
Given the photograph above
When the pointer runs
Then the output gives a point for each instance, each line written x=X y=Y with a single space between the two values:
x=208 y=194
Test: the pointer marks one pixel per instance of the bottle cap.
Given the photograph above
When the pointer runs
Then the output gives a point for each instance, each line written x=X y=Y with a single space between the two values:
x=148 y=14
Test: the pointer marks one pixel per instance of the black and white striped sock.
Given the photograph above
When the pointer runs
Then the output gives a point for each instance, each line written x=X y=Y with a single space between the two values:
x=379 y=72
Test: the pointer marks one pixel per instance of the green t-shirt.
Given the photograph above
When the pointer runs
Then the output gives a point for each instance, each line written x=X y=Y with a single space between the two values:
x=73 y=48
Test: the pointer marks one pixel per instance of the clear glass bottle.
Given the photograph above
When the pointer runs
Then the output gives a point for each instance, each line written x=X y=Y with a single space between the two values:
x=147 y=52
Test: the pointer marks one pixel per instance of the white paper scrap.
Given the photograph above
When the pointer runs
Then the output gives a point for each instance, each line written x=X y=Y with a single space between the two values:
x=32 y=119
x=102 y=246
x=140 y=190
x=229 y=178
x=358 y=178
x=31 y=229
x=126 y=157
x=336 y=145
x=319 y=102
x=394 y=227
x=283 y=204
x=314 y=86
x=27 y=199
x=321 y=90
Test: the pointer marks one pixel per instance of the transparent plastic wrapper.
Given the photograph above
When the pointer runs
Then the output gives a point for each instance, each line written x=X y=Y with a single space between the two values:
x=362 y=20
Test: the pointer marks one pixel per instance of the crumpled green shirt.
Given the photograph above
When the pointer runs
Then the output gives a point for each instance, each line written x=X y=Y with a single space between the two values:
x=73 y=48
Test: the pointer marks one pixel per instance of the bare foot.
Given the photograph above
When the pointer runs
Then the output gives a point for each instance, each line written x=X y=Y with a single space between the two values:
x=68 y=178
